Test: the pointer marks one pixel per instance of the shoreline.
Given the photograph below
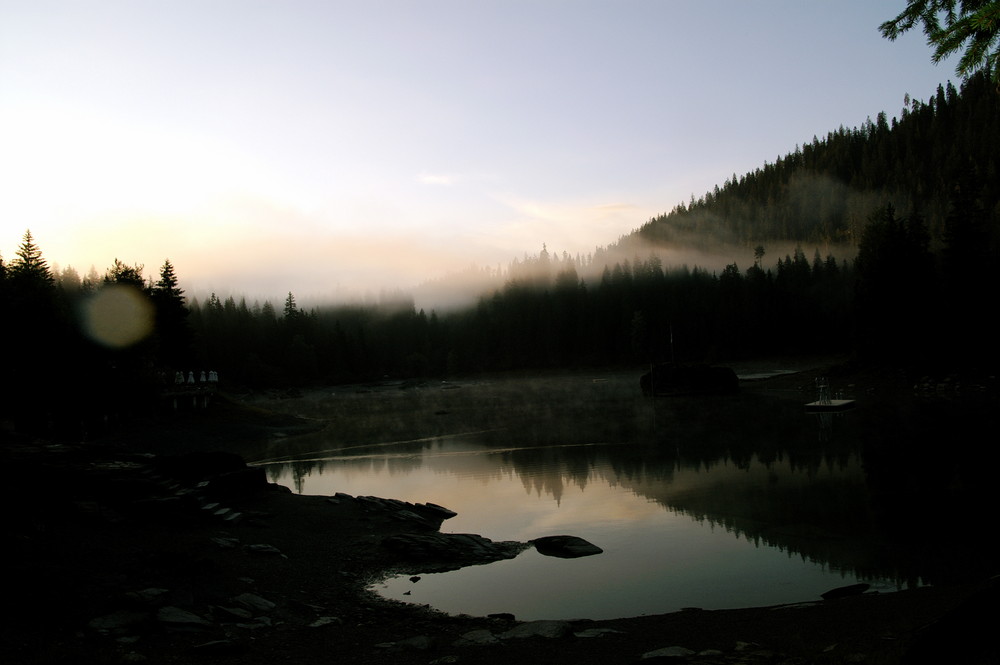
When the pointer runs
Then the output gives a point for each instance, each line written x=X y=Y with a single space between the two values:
x=315 y=559
x=94 y=543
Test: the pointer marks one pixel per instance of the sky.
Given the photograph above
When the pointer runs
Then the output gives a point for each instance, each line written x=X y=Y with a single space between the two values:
x=336 y=149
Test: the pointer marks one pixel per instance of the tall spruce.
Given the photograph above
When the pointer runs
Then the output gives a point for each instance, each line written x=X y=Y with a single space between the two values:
x=29 y=266
x=173 y=332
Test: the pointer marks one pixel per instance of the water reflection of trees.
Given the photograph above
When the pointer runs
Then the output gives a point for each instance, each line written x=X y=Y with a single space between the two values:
x=930 y=467
x=856 y=497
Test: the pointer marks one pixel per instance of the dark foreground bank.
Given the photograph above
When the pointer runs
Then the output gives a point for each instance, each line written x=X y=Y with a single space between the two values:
x=121 y=556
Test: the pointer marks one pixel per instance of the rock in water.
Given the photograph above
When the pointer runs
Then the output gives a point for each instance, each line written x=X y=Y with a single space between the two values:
x=565 y=547
x=448 y=551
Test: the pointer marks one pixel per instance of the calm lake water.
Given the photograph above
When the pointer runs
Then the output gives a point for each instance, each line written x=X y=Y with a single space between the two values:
x=697 y=502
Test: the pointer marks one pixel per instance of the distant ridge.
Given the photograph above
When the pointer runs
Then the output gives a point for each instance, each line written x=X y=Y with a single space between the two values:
x=825 y=190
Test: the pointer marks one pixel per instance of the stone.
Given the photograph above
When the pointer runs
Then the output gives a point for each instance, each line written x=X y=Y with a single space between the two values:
x=502 y=616
x=226 y=543
x=117 y=621
x=596 y=632
x=668 y=652
x=147 y=596
x=545 y=628
x=438 y=511
x=263 y=548
x=418 y=643
x=175 y=617
x=231 y=613
x=565 y=547
x=476 y=638
x=410 y=516
x=219 y=648
x=256 y=624
x=445 y=551
x=253 y=602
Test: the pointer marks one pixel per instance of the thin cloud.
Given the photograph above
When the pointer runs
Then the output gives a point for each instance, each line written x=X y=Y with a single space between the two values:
x=568 y=211
x=573 y=226
x=437 y=179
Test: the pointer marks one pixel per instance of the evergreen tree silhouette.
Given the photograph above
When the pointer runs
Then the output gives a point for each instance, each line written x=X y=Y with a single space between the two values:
x=172 y=329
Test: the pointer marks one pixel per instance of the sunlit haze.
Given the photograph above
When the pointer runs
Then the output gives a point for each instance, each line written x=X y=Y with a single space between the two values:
x=336 y=149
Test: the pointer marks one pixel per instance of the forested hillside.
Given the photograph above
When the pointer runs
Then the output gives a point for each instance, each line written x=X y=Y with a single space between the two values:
x=917 y=199
x=826 y=189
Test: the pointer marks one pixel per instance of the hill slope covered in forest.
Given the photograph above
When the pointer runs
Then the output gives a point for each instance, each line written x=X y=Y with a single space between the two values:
x=826 y=189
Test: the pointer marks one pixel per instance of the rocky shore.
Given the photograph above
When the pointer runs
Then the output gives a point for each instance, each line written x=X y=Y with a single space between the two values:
x=121 y=556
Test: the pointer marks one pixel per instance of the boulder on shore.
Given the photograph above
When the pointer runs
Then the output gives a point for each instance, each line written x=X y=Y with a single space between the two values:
x=448 y=551
x=565 y=547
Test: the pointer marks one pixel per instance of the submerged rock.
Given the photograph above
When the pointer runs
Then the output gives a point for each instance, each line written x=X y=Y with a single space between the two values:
x=565 y=547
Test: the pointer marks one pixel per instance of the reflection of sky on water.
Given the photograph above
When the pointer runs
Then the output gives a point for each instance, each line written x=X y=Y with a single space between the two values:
x=672 y=566
x=657 y=557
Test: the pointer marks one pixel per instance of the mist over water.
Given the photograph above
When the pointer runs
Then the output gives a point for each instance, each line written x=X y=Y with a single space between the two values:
x=430 y=286
x=456 y=290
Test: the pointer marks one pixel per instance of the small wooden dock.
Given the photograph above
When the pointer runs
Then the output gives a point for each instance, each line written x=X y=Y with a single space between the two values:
x=824 y=403
x=189 y=397
x=830 y=405
x=191 y=391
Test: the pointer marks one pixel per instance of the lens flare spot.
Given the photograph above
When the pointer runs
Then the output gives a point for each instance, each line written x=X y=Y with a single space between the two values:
x=118 y=316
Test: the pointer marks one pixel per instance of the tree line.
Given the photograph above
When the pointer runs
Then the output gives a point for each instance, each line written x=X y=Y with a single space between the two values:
x=67 y=367
x=917 y=295
x=824 y=191
x=897 y=302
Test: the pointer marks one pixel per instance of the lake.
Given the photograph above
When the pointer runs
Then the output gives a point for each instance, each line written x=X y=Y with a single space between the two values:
x=710 y=502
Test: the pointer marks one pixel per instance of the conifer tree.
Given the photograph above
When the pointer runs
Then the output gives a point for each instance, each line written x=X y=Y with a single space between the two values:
x=37 y=334
x=167 y=284
x=172 y=328
x=291 y=309
x=122 y=273
x=29 y=266
x=895 y=275
x=971 y=27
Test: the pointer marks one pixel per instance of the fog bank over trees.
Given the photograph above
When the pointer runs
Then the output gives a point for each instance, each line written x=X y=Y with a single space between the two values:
x=879 y=242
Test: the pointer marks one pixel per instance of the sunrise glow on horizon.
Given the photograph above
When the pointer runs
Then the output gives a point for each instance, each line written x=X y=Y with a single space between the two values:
x=338 y=148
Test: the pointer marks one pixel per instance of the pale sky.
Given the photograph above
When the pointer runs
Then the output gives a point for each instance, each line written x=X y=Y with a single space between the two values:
x=334 y=148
